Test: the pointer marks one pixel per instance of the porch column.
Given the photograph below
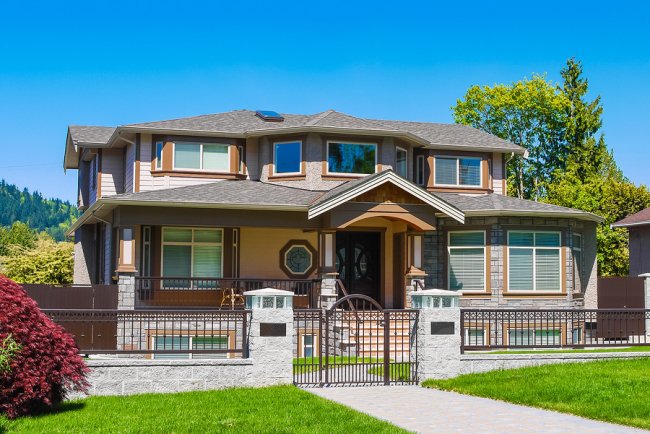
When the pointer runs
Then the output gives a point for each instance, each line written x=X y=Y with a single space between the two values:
x=646 y=298
x=126 y=267
x=414 y=275
x=327 y=269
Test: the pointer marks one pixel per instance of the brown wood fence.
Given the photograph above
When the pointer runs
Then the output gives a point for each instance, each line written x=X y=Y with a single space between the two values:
x=90 y=333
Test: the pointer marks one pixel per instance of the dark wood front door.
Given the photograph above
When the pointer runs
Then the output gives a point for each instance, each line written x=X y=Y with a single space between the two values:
x=358 y=261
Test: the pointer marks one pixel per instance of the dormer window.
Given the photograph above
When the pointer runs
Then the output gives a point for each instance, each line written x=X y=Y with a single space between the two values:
x=211 y=157
x=287 y=157
x=458 y=171
x=348 y=158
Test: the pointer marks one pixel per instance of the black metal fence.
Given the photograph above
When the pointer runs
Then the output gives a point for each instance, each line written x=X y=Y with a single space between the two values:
x=157 y=334
x=488 y=329
x=223 y=293
x=355 y=345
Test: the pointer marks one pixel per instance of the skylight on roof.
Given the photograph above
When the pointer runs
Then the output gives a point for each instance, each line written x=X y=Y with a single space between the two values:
x=269 y=116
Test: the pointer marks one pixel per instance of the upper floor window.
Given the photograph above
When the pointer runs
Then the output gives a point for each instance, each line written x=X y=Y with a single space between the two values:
x=159 y=155
x=93 y=172
x=401 y=157
x=287 y=157
x=419 y=170
x=201 y=156
x=351 y=158
x=458 y=171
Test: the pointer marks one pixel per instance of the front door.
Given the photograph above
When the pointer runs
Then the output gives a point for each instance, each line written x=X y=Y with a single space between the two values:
x=358 y=261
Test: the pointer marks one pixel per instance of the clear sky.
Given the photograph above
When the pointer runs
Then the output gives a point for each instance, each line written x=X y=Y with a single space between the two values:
x=117 y=62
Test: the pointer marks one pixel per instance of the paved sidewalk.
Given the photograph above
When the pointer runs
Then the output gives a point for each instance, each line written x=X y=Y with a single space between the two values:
x=433 y=411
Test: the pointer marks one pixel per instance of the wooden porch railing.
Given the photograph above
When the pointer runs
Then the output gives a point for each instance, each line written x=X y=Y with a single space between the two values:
x=224 y=293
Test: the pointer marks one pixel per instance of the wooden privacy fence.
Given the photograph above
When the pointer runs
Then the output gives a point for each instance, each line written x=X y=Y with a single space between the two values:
x=74 y=296
x=621 y=293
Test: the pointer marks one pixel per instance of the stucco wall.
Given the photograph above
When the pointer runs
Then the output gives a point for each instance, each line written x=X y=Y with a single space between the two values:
x=259 y=250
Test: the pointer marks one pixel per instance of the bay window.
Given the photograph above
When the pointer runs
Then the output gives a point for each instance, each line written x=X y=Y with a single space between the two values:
x=534 y=261
x=458 y=171
x=351 y=158
x=202 y=156
x=576 y=249
x=192 y=252
x=466 y=260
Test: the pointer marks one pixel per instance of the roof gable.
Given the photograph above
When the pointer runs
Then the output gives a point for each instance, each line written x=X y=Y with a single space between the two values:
x=353 y=189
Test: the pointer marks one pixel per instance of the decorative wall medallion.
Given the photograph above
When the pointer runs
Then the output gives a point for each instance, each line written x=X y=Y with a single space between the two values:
x=298 y=259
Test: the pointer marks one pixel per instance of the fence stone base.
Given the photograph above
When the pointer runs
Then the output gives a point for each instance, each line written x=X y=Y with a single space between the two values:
x=133 y=376
x=476 y=363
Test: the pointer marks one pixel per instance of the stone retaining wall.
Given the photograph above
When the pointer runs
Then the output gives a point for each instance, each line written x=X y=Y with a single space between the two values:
x=475 y=363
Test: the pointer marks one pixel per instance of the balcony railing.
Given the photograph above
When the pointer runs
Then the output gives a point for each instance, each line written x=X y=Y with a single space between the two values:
x=564 y=328
x=223 y=293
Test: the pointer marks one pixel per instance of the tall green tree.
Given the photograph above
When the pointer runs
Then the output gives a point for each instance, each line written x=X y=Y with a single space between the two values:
x=531 y=113
x=587 y=153
x=18 y=234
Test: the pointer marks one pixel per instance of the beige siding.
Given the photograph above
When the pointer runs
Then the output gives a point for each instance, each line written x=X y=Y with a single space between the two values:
x=146 y=180
x=129 y=169
x=497 y=173
x=112 y=172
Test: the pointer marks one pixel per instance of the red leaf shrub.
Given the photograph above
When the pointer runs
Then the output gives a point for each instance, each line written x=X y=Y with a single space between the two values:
x=48 y=364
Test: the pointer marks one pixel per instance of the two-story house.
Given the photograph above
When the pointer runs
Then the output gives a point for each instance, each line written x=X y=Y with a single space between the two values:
x=198 y=208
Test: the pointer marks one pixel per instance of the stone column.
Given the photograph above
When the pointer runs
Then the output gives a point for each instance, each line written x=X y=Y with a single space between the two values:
x=271 y=346
x=438 y=337
x=126 y=291
x=646 y=298
x=328 y=290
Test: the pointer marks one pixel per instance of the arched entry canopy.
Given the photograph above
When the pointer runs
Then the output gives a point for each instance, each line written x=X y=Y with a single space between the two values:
x=386 y=195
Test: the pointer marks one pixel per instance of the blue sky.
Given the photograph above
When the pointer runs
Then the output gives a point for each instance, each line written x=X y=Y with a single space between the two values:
x=115 y=62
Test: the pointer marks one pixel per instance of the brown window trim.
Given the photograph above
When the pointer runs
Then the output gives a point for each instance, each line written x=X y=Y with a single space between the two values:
x=325 y=139
x=168 y=151
x=303 y=163
x=486 y=172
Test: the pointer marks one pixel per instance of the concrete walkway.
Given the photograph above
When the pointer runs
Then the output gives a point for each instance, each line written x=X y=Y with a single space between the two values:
x=433 y=411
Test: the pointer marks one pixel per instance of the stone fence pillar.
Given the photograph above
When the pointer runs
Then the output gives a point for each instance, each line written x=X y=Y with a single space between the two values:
x=328 y=290
x=126 y=291
x=270 y=341
x=646 y=298
x=438 y=333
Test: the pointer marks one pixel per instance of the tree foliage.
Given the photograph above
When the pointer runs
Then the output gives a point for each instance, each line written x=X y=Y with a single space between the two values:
x=48 y=262
x=53 y=216
x=46 y=367
x=570 y=164
x=18 y=234
x=529 y=112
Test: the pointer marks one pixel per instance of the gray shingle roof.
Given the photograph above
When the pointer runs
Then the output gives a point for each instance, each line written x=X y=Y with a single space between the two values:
x=90 y=134
x=241 y=192
x=242 y=122
x=639 y=218
x=496 y=203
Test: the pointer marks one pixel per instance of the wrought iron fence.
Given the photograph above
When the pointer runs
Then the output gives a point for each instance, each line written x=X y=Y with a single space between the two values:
x=157 y=334
x=486 y=329
x=225 y=293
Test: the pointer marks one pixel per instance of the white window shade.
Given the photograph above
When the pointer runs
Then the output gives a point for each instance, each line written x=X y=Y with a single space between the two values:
x=547 y=270
x=466 y=269
x=187 y=155
x=521 y=269
x=446 y=171
x=215 y=158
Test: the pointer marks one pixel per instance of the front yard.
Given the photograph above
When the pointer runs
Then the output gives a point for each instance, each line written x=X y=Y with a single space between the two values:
x=280 y=409
x=615 y=391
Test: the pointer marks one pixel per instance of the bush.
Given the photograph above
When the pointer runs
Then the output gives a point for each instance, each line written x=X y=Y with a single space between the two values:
x=47 y=365
x=48 y=262
x=8 y=350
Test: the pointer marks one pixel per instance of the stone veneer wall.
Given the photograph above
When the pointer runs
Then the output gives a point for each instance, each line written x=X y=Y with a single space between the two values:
x=435 y=260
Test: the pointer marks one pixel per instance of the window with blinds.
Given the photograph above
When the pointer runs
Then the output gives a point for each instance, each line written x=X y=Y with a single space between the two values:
x=534 y=261
x=190 y=252
x=576 y=249
x=458 y=171
x=466 y=265
x=201 y=156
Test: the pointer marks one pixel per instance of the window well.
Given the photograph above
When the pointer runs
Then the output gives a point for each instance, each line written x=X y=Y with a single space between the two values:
x=269 y=116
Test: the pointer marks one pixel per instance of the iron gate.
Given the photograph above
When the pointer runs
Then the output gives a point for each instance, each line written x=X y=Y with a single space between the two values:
x=356 y=341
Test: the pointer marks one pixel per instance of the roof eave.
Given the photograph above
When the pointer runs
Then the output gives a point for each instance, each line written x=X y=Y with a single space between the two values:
x=521 y=213
x=443 y=146
x=628 y=225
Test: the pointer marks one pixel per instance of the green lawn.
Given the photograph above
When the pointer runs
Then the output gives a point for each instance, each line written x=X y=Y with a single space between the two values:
x=612 y=390
x=279 y=409
x=310 y=364
x=639 y=349
x=397 y=371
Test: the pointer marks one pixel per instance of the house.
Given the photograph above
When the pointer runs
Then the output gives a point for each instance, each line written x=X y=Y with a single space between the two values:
x=197 y=209
x=638 y=225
